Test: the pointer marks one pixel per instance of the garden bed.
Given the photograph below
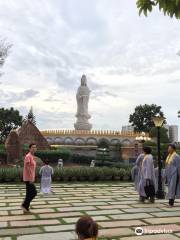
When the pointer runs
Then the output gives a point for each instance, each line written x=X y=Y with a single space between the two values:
x=67 y=174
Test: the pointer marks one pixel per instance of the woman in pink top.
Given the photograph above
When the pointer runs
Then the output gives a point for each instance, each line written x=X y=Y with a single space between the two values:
x=29 y=177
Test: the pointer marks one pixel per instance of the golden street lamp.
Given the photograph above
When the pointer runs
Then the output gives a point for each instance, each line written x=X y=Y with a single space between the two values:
x=158 y=122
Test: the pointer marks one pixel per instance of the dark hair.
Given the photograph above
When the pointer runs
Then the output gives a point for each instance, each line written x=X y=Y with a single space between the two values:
x=86 y=227
x=172 y=145
x=31 y=144
x=46 y=161
x=147 y=150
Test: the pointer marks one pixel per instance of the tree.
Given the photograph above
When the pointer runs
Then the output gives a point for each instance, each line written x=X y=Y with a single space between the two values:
x=163 y=134
x=4 y=51
x=141 y=119
x=31 y=117
x=9 y=119
x=169 y=7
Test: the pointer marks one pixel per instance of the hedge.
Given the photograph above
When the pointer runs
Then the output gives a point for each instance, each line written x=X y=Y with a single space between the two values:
x=114 y=164
x=53 y=155
x=3 y=154
x=81 y=159
x=70 y=174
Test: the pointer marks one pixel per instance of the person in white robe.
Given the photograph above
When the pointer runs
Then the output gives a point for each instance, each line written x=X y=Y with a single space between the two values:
x=147 y=176
x=135 y=171
x=46 y=173
x=173 y=174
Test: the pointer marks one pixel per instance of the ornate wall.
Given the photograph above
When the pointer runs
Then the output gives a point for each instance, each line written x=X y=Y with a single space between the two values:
x=86 y=142
x=75 y=137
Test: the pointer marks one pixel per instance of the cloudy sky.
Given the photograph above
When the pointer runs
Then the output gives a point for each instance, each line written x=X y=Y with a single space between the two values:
x=128 y=60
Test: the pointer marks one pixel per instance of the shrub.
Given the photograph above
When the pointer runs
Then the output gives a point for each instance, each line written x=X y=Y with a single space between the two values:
x=11 y=174
x=70 y=174
x=81 y=159
x=3 y=154
x=2 y=147
x=53 y=155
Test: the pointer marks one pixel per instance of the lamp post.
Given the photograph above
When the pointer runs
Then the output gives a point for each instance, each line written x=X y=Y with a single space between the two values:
x=158 y=122
x=103 y=150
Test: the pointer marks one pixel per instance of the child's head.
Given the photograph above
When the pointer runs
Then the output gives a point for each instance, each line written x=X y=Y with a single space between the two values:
x=46 y=162
x=86 y=227
x=147 y=150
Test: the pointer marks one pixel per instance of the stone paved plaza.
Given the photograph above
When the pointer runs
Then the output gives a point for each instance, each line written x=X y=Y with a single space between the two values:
x=114 y=206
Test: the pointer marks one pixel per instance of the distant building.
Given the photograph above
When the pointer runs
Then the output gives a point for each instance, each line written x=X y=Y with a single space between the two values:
x=167 y=127
x=127 y=128
x=172 y=132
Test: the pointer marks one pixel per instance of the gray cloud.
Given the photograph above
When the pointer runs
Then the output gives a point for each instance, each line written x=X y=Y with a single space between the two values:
x=102 y=94
x=174 y=81
x=55 y=120
x=10 y=97
x=28 y=94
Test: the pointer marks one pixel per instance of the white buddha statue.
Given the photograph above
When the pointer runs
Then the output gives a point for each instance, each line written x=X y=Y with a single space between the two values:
x=82 y=98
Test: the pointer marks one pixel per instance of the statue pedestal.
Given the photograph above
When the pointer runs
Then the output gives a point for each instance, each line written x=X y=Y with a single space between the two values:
x=82 y=126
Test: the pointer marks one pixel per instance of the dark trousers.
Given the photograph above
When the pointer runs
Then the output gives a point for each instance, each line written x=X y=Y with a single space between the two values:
x=171 y=202
x=30 y=194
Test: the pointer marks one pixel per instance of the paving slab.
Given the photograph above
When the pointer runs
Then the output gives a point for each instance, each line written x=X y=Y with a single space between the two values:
x=148 y=205
x=20 y=212
x=3 y=213
x=52 y=205
x=111 y=224
x=19 y=217
x=18 y=231
x=114 y=206
x=170 y=209
x=59 y=228
x=142 y=210
x=34 y=223
x=96 y=218
x=89 y=204
x=5 y=238
x=162 y=220
x=167 y=214
x=115 y=202
x=48 y=236
x=152 y=237
x=131 y=216
x=3 y=224
x=104 y=212
x=59 y=215
x=81 y=208
x=114 y=232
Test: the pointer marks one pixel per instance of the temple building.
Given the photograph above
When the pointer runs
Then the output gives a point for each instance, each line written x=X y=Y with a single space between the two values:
x=84 y=140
